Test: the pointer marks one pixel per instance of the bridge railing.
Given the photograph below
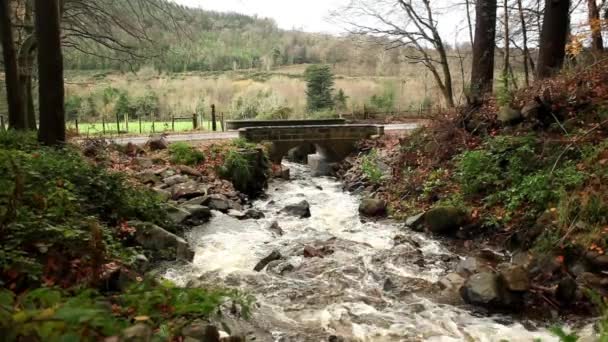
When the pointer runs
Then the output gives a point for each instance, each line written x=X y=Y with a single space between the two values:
x=310 y=133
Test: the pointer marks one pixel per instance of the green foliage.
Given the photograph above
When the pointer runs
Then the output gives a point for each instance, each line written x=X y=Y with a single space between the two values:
x=477 y=172
x=50 y=314
x=55 y=201
x=243 y=144
x=237 y=168
x=370 y=168
x=504 y=93
x=384 y=101
x=183 y=153
x=320 y=87
x=72 y=107
x=340 y=100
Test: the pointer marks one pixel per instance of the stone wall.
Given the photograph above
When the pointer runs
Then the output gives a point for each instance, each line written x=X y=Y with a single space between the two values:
x=233 y=125
x=310 y=133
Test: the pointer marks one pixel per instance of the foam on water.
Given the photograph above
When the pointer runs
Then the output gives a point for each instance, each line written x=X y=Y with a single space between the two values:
x=342 y=293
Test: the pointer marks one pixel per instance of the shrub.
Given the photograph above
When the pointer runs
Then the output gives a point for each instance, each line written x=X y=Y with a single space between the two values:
x=370 y=168
x=182 y=153
x=237 y=169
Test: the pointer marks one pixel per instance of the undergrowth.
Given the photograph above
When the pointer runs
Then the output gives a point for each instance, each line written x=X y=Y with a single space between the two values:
x=182 y=153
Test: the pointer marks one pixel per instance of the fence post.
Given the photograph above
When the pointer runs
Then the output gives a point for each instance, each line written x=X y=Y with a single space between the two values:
x=127 y=122
x=194 y=121
x=77 y=130
x=213 y=123
x=140 y=124
x=173 y=122
x=118 y=123
x=103 y=125
x=222 y=121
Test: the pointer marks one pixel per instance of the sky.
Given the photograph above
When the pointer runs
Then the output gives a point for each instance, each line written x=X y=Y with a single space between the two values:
x=309 y=15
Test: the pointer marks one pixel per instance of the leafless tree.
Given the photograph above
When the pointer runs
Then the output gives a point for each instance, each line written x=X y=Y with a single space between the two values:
x=408 y=24
x=597 y=43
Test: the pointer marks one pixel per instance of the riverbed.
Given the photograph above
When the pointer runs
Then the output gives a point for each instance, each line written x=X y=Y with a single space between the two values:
x=374 y=282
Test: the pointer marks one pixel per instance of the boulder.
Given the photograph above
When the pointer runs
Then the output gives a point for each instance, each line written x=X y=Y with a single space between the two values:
x=301 y=210
x=175 y=179
x=143 y=163
x=275 y=228
x=372 y=207
x=254 y=214
x=566 y=290
x=219 y=202
x=158 y=143
x=451 y=282
x=155 y=238
x=177 y=215
x=481 y=289
x=148 y=178
x=531 y=110
x=275 y=255
x=415 y=222
x=188 y=190
x=597 y=260
x=162 y=193
x=199 y=214
x=445 y=220
x=515 y=278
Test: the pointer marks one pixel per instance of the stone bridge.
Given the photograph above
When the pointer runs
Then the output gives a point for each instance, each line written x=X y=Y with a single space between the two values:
x=332 y=143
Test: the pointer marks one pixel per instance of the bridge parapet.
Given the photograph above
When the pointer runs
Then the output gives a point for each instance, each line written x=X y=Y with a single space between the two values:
x=310 y=133
x=238 y=124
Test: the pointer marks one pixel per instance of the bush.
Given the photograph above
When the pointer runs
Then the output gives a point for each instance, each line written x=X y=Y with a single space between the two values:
x=182 y=153
x=237 y=169
x=369 y=166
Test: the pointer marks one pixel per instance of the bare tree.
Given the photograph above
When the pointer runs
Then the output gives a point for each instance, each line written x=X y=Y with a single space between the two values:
x=524 y=32
x=595 y=23
x=507 y=57
x=552 y=49
x=16 y=113
x=409 y=24
x=482 y=72
x=50 y=73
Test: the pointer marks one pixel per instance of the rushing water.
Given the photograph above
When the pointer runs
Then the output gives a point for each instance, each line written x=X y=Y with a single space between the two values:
x=369 y=289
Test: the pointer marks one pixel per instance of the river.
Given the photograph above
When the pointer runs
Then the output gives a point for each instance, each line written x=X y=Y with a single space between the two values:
x=369 y=289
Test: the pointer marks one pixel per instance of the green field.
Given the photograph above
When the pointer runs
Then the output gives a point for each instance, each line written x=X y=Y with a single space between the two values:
x=147 y=127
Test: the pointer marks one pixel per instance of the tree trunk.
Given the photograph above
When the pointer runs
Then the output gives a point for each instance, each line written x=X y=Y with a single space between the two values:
x=468 y=5
x=524 y=32
x=16 y=113
x=26 y=59
x=552 y=49
x=595 y=23
x=506 y=66
x=482 y=73
x=50 y=73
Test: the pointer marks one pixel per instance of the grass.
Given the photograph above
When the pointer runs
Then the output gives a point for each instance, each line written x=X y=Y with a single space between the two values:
x=146 y=127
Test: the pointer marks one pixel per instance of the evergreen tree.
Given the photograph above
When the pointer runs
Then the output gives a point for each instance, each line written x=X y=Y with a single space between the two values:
x=320 y=86
x=340 y=100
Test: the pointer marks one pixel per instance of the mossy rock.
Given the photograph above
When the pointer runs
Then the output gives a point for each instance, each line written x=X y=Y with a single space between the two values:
x=445 y=220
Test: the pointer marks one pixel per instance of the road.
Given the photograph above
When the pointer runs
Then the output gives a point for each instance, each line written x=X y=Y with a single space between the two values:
x=140 y=140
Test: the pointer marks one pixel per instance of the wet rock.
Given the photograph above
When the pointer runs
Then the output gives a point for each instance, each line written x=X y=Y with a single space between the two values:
x=471 y=265
x=481 y=289
x=218 y=202
x=137 y=333
x=254 y=214
x=545 y=265
x=175 y=179
x=279 y=267
x=140 y=263
x=282 y=172
x=566 y=290
x=177 y=215
x=515 y=278
x=388 y=285
x=275 y=228
x=199 y=214
x=187 y=170
x=188 y=190
x=275 y=255
x=372 y=207
x=301 y=210
x=402 y=239
x=195 y=201
x=155 y=238
x=158 y=143
x=415 y=222
x=490 y=255
x=202 y=332
x=445 y=220
x=164 y=194
x=452 y=281
x=311 y=252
